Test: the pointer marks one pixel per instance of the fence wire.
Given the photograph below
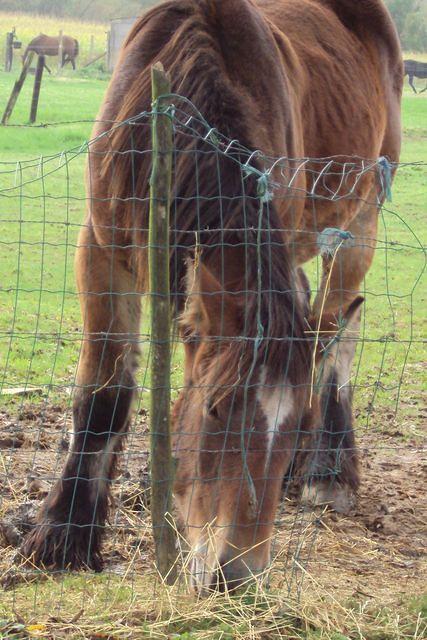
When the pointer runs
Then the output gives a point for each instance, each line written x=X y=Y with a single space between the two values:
x=245 y=437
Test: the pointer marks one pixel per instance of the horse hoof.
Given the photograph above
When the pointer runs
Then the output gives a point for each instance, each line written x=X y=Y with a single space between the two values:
x=339 y=498
x=53 y=546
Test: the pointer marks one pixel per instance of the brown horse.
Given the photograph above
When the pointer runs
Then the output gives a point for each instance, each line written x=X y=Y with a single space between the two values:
x=45 y=45
x=259 y=72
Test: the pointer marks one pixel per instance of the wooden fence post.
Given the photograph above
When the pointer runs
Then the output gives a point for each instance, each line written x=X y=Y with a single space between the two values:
x=17 y=88
x=162 y=463
x=60 y=51
x=36 y=89
x=109 y=51
x=9 y=52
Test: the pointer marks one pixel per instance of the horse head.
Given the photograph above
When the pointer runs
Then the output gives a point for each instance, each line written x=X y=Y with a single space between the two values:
x=236 y=427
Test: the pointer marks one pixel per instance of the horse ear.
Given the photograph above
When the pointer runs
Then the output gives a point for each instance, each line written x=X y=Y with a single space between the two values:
x=209 y=310
x=352 y=314
x=348 y=328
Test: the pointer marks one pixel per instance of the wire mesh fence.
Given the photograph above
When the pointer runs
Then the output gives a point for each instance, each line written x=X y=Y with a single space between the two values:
x=262 y=373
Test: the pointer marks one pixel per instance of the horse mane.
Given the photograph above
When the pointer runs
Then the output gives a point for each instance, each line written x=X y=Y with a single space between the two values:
x=210 y=196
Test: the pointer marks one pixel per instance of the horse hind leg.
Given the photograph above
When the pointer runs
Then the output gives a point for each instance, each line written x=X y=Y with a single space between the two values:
x=411 y=82
x=333 y=469
x=331 y=466
x=71 y=522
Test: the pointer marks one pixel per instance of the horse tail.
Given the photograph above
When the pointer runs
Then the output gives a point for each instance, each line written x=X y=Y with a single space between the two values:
x=76 y=47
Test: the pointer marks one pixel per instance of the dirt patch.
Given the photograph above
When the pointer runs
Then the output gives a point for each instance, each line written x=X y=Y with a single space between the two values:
x=33 y=447
x=377 y=552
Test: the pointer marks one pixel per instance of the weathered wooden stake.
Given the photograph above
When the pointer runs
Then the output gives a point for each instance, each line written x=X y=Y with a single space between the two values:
x=162 y=463
x=109 y=51
x=36 y=88
x=17 y=88
x=9 y=52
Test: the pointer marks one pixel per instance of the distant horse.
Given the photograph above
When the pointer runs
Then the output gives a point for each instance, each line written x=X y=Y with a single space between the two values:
x=414 y=69
x=45 y=45
x=259 y=73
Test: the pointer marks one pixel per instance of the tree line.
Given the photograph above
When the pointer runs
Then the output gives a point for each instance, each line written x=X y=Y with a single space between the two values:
x=410 y=16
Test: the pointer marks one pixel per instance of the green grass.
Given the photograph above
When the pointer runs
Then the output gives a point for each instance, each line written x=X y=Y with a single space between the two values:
x=395 y=286
x=50 y=223
x=62 y=100
x=97 y=606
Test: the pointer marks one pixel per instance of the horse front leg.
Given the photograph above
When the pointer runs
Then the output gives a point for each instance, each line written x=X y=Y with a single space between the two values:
x=71 y=522
x=411 y=82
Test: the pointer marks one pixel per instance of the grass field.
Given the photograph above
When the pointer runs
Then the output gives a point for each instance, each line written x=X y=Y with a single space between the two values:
x=41 y=208
x=29 y=25
x=415 y=55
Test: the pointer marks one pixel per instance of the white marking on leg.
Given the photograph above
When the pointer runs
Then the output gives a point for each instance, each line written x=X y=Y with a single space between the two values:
x=277 y=405
x=201 y=570
x=72 y=442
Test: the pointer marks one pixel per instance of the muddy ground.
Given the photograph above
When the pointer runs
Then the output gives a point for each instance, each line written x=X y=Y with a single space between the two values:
x=378 y=551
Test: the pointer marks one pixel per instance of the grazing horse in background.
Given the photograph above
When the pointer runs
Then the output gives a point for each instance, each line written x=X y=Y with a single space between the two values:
x=414 y=69
x=259 y=72
x=45 y=45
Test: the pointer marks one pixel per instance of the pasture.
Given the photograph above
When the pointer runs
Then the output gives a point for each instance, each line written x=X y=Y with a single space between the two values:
x=29 y=25
x=363 y=574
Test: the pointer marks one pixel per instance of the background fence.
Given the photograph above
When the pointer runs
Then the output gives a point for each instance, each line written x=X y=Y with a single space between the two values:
x=41 y=211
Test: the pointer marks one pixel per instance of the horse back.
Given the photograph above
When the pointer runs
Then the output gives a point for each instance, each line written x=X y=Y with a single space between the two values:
x=352 y=73
x=44 y=45
x=49 y=45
